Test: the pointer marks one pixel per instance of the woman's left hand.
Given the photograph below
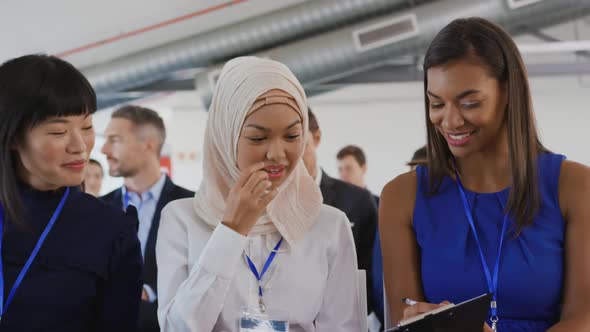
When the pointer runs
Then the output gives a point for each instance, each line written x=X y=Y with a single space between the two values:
x=422 y=307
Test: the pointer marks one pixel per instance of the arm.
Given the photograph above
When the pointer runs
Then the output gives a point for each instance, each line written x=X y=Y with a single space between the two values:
x=398 y=242
x=118 y=308
x=340 y=307
x=191 y=300
x=574 y=190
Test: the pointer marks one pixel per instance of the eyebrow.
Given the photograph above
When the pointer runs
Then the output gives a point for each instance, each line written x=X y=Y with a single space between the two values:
x=62 y=119
x=255 y=126
x=57 y=120
x=296 y=122
x=459 y=96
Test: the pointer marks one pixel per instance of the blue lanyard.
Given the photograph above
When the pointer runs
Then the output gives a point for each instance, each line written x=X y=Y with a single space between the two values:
x=491 y=280
x=125 y=200
x=258 y=276
x=25 y=269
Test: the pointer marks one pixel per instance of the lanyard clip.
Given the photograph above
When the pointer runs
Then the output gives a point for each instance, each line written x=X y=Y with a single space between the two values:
x=495 y=320
x=261 y=304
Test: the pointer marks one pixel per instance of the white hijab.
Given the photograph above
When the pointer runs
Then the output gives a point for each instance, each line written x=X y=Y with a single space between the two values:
x=242 y=80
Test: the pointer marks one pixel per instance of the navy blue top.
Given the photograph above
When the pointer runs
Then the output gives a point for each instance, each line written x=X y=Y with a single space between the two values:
x=531 y=267
x=87 y=275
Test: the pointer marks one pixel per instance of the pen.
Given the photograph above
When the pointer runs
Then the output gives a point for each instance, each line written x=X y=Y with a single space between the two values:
x=408 y=301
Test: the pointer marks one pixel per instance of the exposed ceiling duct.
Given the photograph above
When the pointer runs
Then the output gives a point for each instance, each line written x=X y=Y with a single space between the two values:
x=378 y=41
x=249 y=36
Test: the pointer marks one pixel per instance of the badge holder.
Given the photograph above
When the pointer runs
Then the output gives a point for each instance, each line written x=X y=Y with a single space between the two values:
x=256 y=320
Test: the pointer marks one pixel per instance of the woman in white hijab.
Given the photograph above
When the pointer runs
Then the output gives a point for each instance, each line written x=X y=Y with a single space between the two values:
x=256 y=250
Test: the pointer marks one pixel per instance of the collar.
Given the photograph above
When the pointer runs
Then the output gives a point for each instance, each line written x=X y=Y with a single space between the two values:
x=154 y=191
x=319 y=175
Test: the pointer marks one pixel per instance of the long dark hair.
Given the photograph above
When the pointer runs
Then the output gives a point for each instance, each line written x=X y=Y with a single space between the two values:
x=495 y=49
x=34 y=88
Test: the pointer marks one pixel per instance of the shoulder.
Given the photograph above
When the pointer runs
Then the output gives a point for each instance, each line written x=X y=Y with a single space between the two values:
x=402 y=186
x=180 y=216
x=571 y=169
x=111 y=194
x=178 y=210
x=398 y=198
x=360 y=194
x=332 y=225
x=181 y=228
x=330 y=220
x=332 y=216
x=96 y=228
x=99 y=213
x=574 y=185
x=180 y=192
x=341 y=185
x=110 y=197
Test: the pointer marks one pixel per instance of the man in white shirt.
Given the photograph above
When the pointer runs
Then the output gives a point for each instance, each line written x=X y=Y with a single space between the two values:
x=134 y=140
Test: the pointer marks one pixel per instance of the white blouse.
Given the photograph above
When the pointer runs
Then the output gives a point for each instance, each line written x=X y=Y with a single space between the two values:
x=204 y=281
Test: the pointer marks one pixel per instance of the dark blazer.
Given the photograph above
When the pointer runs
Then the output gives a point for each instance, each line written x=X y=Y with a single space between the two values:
x=148 y=318
x=359 y=206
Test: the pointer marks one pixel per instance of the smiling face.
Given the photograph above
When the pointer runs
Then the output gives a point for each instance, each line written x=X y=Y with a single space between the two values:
x=466 y=106
x=55 y=153
x=273 y=134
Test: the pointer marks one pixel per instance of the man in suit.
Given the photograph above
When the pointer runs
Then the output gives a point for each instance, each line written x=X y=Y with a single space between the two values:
x=352 y=168
x=134 y=140
x=357 y=203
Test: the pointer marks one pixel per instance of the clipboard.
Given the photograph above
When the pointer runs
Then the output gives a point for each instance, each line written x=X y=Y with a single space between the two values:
x=469 y=315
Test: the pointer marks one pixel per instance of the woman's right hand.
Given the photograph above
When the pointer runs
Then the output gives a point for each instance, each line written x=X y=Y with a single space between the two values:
x=248 y=199
x=422 y=307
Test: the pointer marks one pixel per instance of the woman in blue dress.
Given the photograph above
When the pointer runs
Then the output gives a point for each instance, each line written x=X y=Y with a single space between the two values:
x=492 y=210
x=68 y=262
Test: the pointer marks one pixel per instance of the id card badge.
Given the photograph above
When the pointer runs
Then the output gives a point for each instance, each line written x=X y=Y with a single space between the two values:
x=254 y=320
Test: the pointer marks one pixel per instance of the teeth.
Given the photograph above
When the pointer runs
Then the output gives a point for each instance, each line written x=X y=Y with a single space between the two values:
x=459 y=137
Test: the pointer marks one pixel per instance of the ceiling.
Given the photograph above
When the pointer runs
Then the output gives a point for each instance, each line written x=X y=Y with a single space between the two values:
x=92 y=33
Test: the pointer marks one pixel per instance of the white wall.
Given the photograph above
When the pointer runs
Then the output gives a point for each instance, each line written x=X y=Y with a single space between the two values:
x=386 y=120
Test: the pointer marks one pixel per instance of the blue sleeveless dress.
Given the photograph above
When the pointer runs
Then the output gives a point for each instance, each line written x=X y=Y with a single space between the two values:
x=531 y=274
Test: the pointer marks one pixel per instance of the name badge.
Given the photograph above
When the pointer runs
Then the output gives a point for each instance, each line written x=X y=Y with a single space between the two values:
x=253 y=320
